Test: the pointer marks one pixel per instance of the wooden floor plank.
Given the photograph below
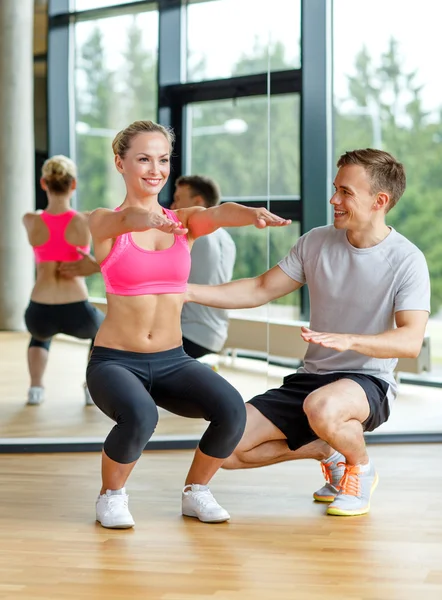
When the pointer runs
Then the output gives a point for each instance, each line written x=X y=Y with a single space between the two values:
x=278 y=545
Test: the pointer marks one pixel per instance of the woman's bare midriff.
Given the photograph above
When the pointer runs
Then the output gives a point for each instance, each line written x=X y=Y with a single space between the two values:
x=150 y=323
x=51 y=288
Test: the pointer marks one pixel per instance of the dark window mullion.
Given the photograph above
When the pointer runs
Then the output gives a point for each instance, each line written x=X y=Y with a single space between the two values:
x=281 y=82
x=61 y=19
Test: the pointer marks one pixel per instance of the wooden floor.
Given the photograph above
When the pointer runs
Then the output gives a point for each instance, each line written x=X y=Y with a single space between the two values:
x=64 y=415
x=279 y=545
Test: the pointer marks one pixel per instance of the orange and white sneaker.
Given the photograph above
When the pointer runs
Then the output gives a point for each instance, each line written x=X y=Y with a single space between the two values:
x=355 y=489
x=333 y=469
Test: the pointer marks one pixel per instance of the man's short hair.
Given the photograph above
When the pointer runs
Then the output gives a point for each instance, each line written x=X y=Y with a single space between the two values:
x=385 y=172
x=201 y=186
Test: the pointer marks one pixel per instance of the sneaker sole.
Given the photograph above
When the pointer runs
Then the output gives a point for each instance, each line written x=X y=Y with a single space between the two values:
x=339 y=512
x=121 y=526
x=195 y=516
x=324 y=498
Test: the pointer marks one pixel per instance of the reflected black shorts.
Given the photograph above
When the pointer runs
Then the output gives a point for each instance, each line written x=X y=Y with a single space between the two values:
x=284 y=406
x=78 y=319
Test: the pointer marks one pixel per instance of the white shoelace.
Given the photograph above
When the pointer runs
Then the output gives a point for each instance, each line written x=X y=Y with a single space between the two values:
x=117 y=501
x=205 y=499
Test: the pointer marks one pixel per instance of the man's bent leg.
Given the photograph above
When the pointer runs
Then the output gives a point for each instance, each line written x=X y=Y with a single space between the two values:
x=336 y=413
x=264 y=444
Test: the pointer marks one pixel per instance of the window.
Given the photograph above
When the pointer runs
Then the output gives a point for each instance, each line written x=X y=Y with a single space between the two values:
x=228 y=140
x=255 y=249
x=221 y=44
x=115 y=84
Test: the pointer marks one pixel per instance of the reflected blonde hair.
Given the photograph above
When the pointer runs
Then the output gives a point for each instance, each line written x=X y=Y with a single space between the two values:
x=59 y=172
x=122 y=141
x=386 y=174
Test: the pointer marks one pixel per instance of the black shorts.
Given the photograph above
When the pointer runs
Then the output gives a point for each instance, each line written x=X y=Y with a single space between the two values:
x=284 y=406
x=195 y=350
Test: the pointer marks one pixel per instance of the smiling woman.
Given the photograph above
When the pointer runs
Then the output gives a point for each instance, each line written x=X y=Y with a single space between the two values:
x=138 y=362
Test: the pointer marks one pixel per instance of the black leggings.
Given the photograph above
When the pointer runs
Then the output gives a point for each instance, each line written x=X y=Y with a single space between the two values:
x=78 y=319
x=128 y=387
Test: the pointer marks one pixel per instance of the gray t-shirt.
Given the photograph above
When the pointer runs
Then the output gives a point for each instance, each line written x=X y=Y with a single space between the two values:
x=213 y=259
x=356 y=290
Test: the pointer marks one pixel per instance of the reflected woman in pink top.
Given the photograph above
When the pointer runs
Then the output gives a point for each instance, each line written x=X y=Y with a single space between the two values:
x=138 y=362
x=58 y=235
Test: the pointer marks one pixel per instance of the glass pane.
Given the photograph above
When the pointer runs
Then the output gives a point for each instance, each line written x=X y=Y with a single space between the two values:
x=387 y=95
x=228 y=141
x=255 y=253
x=115 y=85
x=89 y=4
x=231 y=37
x=282 y=239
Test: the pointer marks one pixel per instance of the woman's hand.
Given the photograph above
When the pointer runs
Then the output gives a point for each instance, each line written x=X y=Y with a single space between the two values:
x=164 y=224
x=264 y=218
x=202 y=221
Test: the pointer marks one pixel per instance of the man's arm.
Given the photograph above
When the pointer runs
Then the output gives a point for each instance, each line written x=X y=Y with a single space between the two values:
x=403 y=342
x=202 y=221
x=244 y=293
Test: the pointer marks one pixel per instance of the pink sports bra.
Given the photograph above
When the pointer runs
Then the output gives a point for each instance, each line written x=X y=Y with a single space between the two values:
x=129 y=270
x=57 y=248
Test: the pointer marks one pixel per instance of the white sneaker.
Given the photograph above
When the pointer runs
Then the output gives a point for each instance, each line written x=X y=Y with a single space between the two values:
x=87 y=396
x=112 y=510
x=36 y=395
x=198 y=501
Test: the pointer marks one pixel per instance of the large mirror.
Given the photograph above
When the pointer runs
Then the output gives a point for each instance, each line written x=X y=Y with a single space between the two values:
x=248 y=142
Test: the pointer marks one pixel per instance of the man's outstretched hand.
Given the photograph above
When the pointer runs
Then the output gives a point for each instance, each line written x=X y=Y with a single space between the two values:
x=80 y=268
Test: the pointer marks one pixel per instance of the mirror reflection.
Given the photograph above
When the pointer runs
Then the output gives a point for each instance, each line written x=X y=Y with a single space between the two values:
x=58 y=403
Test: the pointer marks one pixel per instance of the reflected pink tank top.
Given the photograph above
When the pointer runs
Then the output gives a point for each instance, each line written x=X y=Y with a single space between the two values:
x=129 y=270
x=57 y=248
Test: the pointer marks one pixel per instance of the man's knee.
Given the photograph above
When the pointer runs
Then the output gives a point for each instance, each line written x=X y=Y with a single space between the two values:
x=321 y=411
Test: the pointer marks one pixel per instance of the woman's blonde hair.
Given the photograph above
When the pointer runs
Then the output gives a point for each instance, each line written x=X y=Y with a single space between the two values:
x=123 y=139
x=59 y=172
